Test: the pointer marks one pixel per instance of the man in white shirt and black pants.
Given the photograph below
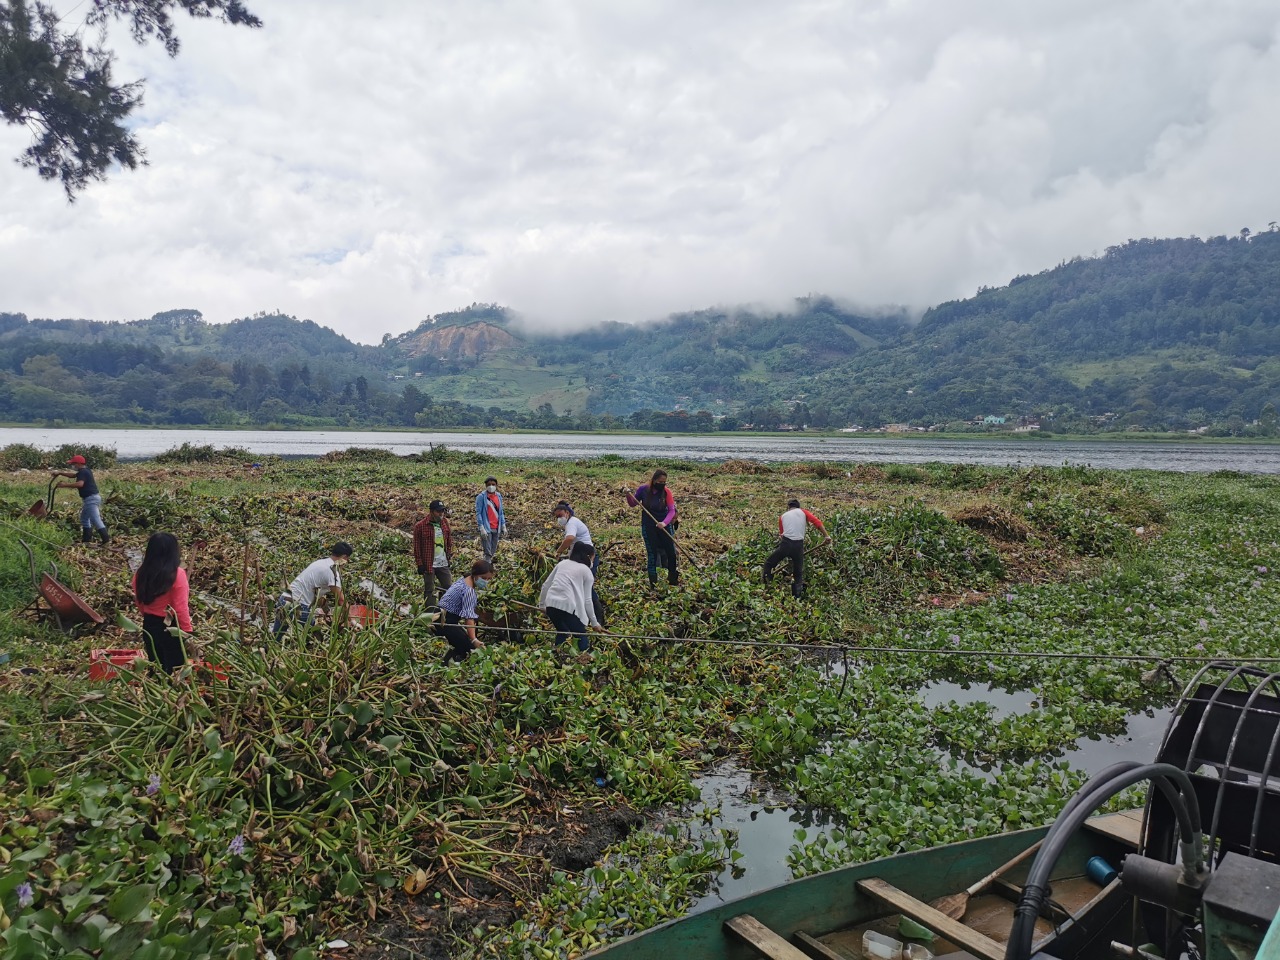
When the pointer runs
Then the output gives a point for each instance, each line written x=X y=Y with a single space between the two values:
x=792 y=526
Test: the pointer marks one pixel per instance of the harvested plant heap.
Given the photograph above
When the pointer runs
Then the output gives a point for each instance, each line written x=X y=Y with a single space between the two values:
x=347 y=782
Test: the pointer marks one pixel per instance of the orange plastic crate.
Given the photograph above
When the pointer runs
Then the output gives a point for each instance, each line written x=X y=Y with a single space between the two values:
x=103 y=663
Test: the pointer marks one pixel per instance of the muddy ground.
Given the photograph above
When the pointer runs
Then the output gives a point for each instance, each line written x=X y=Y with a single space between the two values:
x=569 y=838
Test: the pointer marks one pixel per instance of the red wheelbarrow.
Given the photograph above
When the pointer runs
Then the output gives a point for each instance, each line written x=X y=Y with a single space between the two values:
x=45 y=506
x=65 y=607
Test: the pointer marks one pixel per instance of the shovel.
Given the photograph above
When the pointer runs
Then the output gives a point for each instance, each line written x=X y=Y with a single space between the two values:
x=955 y=904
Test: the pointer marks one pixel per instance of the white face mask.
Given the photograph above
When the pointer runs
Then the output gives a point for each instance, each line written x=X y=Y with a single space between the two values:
x=491 y=489
x=562 y=522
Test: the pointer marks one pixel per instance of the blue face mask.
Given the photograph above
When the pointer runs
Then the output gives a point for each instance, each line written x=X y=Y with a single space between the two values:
x=480 y=583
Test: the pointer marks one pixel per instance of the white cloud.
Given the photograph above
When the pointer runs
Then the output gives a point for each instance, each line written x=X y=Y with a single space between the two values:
x=580 y=161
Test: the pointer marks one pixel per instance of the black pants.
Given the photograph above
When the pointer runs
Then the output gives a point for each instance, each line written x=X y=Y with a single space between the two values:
x=433 y=576
x=162 y=646
x=568 y=624
x=453 y=631
x=792 y=550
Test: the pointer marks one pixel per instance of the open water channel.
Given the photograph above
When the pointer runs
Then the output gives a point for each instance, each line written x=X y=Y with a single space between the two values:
x=1187 y=457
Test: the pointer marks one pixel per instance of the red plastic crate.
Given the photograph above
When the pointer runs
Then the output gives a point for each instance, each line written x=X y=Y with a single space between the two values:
x=102 y=663
x=204 y=670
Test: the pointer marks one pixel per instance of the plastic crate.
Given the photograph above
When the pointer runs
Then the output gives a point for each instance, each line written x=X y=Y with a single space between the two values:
x=203 y=670
x=103 y=663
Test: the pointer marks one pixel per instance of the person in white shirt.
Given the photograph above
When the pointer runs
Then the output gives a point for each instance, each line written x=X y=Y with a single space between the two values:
x=792 y=527
x=312 y=586
x=575 y=531
x=566 y=596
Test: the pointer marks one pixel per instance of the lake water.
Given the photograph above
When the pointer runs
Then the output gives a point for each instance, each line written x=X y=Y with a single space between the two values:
x=1189 y=457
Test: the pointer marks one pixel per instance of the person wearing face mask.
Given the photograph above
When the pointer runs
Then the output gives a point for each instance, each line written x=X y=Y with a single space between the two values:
x=575 y=532
x=657 y=525
x=312 y=587
x=490 y=518
x=458 y=621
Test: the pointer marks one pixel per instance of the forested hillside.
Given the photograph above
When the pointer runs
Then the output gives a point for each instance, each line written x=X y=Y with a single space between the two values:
x=1154 y=334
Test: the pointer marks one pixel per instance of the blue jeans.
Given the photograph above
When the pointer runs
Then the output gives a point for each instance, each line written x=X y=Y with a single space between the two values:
x=287 y=610
x=659 y=547
x=91 y=512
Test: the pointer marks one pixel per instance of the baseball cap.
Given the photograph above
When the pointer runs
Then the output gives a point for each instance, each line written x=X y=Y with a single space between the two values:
x=77 y=460
x=437 y=505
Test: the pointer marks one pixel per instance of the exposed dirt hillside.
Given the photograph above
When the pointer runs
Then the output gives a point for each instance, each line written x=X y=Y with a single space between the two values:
x=454 y=342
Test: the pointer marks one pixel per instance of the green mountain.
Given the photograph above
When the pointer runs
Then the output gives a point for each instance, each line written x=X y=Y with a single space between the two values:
x=1154 y=334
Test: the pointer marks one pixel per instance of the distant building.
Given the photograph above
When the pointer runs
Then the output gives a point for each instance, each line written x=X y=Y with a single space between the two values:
x=993 y=421
x=897 y=428
x=1027 y=428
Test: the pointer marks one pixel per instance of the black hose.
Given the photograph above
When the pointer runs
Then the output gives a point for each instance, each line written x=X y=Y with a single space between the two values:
x=1171 y=781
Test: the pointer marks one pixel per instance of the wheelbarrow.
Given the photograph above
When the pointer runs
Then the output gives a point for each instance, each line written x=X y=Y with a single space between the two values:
x=42 y=507
x=65 y=607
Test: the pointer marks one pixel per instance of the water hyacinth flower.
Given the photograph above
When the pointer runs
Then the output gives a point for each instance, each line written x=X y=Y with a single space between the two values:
x=26 y=896
x=1261 y=569
x=153 y=785
x=237 y=845
x=955 y=639
x=1204 y=624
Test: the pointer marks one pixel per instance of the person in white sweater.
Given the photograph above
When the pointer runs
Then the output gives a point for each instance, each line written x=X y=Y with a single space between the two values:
x=566 y=596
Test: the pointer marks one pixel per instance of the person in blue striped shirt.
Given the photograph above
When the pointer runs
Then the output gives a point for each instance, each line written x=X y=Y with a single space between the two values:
x=458 y=605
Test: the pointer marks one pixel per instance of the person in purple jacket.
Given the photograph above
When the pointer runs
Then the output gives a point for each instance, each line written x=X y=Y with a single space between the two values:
x=657 y=525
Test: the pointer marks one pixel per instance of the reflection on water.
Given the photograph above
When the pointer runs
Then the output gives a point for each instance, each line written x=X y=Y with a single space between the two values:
x=1144 y=731
x=1184 y=457
x=766 y=826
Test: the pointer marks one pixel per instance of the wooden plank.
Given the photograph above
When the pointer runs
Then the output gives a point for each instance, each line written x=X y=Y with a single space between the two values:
x=816 y=948
x=754 y=933
x=937 y=921
x=1125 y=826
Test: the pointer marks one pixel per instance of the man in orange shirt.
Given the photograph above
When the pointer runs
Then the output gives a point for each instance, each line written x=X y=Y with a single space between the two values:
x=792 y=526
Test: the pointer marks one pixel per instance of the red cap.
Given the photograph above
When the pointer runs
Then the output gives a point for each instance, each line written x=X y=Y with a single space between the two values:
x=77 y=460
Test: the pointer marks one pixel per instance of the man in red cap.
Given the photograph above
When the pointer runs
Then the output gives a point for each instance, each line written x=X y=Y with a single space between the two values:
x=90 y=500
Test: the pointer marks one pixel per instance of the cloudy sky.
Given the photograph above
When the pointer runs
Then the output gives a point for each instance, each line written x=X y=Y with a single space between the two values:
x=580 y=160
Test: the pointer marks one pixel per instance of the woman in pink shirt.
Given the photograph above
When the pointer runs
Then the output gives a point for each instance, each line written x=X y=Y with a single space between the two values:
x=160 y=585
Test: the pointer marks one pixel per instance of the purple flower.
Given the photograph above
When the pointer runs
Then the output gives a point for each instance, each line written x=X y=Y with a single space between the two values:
x=153 y=785
x=1009 y=597
x=955 y=639
x=1261 y=569
x=1257 y=584
x=237 y=846
x=1204 y=624
x=1128 y=609
x=25 y=895
x=1199 y=646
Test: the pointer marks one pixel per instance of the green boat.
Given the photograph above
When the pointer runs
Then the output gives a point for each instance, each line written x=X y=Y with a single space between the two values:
x=1195 y=873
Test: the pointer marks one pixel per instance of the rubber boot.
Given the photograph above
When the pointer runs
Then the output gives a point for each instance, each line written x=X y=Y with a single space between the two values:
x=86 y=535
x=104 y=536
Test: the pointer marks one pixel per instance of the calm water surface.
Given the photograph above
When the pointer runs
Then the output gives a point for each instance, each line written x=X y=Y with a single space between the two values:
x=1190 y=457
